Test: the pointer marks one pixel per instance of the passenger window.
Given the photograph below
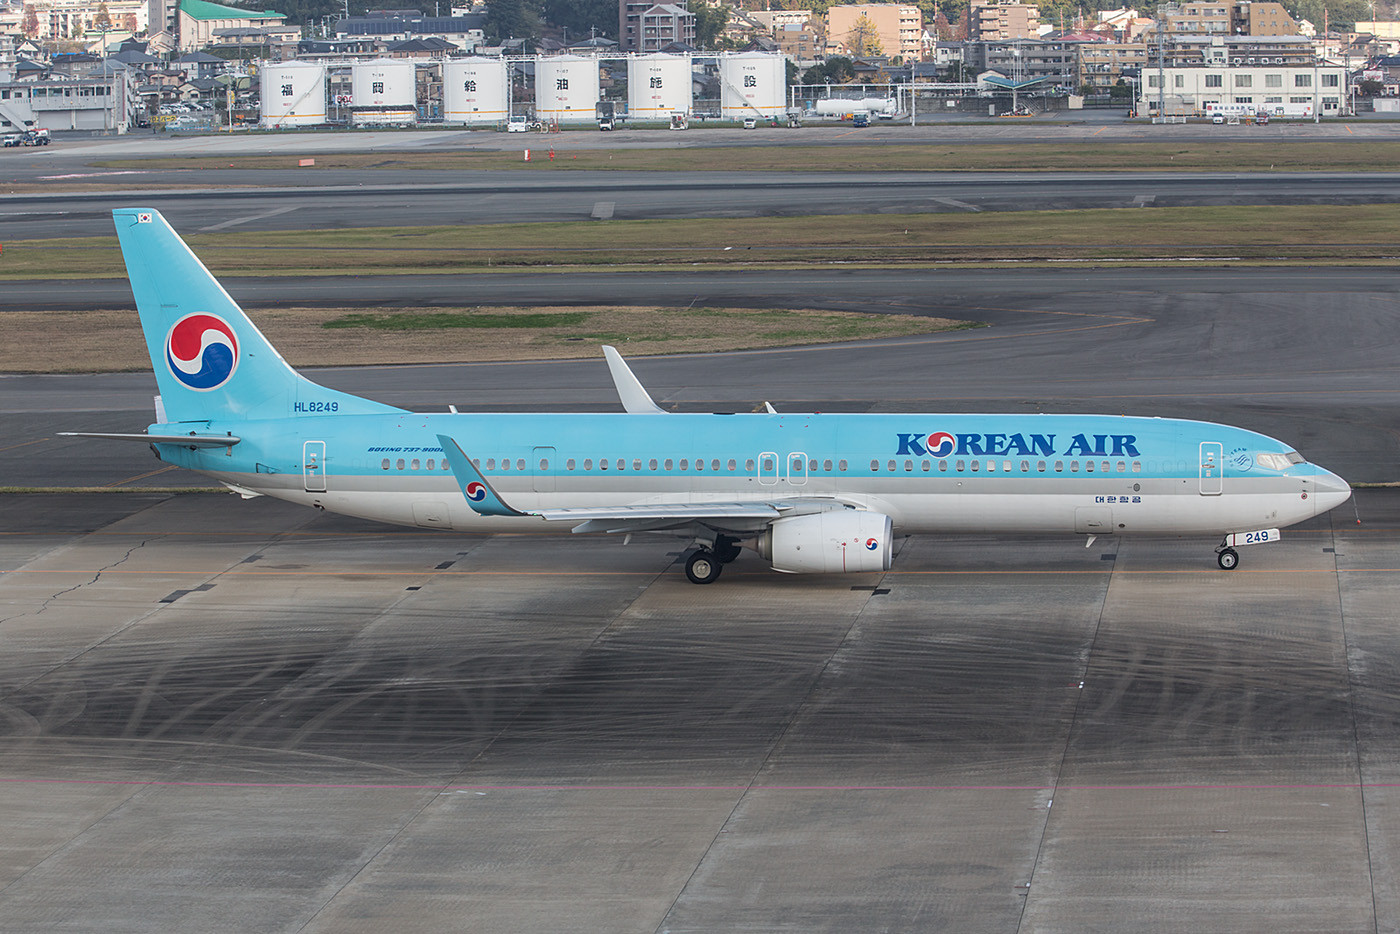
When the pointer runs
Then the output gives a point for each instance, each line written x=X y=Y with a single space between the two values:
x=447 y=466
x=699 y=463
x=1040 y=466
x=602 y=463
x=399 y=465
x=1074 y=466
x=959 y=466
x=748 y=465
x=1088 y=467
x=826 y=466
x=1006 y=466
x=670 y=464
x=1025 y=466
x=891 y=466
x=1137 y=466
x=874 y=466
x=812 y=464
x=544 y=463
x=1059 y=466
x=841 y=466
x=432 y=463
x=942 y=466
x=520 y=463
x=732 y=465
x=415 y=465
x=976 y=466
x=908 y=466
x=588 y=463
x=991 y=466
x=714 y=464
x=386 y=463
x=924 y=464
x=1122 y=467
x=767 y=465
x=796 y=465
x=569 y=463
x=651 y=464
x=621 y=464
x=490 y=463
x=1104 y=466
x=636 y=463
x=685 y=463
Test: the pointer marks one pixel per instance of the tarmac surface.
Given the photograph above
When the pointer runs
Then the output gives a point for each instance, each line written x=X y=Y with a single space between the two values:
x=229 y=716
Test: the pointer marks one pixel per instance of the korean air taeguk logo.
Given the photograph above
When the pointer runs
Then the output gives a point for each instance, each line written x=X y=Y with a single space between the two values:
x=476 y=492
x=201 y=351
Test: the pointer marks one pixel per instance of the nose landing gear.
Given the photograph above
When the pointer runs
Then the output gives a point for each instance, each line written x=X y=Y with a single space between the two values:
x=1227 y=558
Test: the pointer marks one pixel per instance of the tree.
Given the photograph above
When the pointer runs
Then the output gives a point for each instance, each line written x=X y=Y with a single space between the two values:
x=709 y=22
x=510 y=19
x=835 y=70
x=581 y=16
x=863 y=38
x=1370 y=87
x=31 y=21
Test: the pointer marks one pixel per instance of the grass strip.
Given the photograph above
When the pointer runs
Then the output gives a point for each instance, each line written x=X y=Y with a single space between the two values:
x=1312 y=233
x=1273 y=155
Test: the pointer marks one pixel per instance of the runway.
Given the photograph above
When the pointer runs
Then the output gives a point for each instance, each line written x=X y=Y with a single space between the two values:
x=341 y=199
x=244 y=716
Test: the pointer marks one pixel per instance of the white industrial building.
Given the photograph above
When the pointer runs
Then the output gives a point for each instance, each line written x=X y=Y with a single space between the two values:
x=658 y=86
x=1274 y=88
x=474 y=91
x=383 y=91
x=293 y=94
x=103 y=100
x=752 y=84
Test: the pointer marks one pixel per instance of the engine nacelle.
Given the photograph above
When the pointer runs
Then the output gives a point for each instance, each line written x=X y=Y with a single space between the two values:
x=832 y=542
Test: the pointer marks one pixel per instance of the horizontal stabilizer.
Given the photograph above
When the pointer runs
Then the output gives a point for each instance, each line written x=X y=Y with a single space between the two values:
x=191 y=440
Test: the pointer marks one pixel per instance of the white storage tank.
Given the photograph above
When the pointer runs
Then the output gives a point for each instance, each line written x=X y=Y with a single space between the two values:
x=752 y=84
x=474 y=91
x=383 y=90
x=658 y=86
x=566 y=88
x=293 y=94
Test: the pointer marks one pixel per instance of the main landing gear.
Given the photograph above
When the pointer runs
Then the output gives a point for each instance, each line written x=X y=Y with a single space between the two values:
x=704 y=564
x=1227 y=557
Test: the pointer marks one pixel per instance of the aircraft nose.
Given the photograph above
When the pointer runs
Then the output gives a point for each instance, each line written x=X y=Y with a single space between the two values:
x=1329 y=492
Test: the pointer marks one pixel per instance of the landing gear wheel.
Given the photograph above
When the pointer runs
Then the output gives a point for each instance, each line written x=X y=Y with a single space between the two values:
x=702 y=567
x=726 y=549
x=1227 y=558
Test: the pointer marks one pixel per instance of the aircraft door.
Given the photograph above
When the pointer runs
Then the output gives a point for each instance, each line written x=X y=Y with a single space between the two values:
x=768 y=468
x=542 y=463
x=797 y=468
x=1212 y=466
x=313 y=466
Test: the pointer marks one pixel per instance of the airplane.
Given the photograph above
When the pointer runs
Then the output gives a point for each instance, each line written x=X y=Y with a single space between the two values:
x=809 y=492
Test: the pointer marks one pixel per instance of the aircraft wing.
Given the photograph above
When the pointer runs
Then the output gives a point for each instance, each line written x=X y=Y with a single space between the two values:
x=485 y=501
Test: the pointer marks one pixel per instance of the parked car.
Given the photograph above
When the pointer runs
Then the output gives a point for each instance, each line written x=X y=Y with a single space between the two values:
x=1217 y=118
x=12 y=140
x=750 y=123
x=517 y=125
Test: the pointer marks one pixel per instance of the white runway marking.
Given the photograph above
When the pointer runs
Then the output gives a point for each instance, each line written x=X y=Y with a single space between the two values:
x=244 y=220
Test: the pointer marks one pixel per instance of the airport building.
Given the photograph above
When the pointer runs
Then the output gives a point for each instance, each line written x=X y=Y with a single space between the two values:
x=1277 y=89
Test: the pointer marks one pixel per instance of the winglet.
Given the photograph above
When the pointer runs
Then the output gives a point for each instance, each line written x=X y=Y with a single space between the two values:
x=634 y=397
x=483 y=500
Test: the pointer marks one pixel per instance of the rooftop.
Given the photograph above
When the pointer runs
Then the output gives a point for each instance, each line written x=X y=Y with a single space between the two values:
x=204 y=10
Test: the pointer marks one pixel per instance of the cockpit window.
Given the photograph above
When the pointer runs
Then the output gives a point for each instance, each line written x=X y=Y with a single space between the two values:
x=1273 y=461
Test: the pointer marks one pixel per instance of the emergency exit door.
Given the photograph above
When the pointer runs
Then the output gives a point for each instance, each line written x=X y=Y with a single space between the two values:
x=1212 y=467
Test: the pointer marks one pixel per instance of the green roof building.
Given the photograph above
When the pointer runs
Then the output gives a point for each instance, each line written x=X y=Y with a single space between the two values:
x=199 y=19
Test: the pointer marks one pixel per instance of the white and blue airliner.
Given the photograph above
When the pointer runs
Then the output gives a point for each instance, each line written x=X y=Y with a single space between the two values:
x=810 y=493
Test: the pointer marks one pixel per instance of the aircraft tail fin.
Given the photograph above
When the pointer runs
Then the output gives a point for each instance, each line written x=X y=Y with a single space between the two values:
x=210 y=360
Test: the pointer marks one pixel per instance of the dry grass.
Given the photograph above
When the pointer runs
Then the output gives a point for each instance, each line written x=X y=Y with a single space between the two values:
x=98 y=341
x=1281 y=155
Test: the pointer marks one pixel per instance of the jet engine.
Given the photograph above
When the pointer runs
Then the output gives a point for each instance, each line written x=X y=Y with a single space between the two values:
x=828 y=542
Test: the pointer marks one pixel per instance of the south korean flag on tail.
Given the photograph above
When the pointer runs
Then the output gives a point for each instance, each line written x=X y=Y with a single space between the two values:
x=143 y=218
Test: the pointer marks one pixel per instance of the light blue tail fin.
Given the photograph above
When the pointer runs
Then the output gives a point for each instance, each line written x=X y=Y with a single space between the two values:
x=210 y=360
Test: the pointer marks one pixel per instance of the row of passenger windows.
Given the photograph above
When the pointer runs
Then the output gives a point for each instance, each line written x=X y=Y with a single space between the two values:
x=795 y=467
x=1007 y=466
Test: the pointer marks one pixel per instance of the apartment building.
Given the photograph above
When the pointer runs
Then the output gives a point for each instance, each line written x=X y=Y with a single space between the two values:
x=1194 y=89
x=1101 y=65
x=992 y=21
x=899 y=28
